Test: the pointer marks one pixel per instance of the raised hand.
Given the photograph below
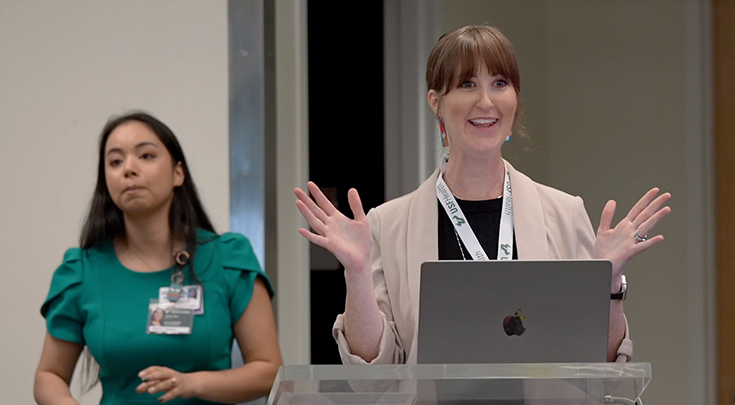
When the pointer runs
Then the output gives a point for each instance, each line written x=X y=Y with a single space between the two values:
x=630 y=236
x=349 y=240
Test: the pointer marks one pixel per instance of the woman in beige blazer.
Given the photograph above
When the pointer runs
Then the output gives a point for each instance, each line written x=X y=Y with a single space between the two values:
x=474 y=83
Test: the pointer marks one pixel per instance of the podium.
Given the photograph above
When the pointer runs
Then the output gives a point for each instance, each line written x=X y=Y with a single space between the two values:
x=454 y=384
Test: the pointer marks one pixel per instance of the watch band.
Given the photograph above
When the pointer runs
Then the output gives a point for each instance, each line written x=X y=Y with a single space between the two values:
x=623 y=293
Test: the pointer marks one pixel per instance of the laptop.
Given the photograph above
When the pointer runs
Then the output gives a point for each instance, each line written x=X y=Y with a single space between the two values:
x=554 y=311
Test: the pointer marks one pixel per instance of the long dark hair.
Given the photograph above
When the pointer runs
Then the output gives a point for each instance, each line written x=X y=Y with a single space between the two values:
x=105 y=220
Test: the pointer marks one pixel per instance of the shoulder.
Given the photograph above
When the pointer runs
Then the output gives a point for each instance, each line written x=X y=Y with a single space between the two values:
x=555 y=197
x=73 y=264
x=236 y=256
x=67 y=277
x=548 y=197
x=233 y=250
x=421 y=201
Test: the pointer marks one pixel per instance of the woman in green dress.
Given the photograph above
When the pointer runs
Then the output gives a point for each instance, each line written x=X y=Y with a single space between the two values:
x=146 y=242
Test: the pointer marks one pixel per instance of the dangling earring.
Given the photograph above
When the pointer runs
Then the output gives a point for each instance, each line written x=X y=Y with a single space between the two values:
x=510 y=135
x=443 y=131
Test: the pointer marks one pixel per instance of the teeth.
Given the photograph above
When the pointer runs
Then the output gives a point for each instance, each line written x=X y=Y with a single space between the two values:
x=482 y=121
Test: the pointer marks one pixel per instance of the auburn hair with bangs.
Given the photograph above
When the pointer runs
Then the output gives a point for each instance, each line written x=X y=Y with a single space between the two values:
x=458 y=56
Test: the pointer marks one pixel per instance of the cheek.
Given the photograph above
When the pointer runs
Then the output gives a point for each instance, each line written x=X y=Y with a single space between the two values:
x=109 y=180
x=113 y=185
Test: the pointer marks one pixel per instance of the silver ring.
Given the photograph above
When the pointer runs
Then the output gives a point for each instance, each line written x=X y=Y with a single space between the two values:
x=173 y=381
x=638 y=238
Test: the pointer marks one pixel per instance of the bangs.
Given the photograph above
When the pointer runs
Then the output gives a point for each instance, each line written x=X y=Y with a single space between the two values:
x=459 y=55
x=473 y=57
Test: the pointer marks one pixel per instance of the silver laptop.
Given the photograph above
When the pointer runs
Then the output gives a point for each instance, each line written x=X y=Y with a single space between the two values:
x=552 y=311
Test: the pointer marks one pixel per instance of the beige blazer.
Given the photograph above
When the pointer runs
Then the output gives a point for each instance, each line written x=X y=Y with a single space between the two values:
x=548 y=224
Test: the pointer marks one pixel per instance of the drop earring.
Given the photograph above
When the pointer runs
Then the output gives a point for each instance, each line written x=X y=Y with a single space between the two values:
x=443 y=132
x=510 y=135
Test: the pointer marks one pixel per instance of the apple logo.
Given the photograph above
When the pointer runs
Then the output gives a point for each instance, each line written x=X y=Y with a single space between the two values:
x=513 y=325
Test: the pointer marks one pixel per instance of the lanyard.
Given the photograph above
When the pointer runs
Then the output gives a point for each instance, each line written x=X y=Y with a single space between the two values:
x=459 y=221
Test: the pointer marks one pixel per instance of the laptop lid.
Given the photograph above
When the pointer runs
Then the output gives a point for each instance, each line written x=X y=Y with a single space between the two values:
x=552 y=311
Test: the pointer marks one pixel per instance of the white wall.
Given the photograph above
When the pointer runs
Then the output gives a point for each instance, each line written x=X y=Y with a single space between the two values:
x=616 y=95
x=66 y=68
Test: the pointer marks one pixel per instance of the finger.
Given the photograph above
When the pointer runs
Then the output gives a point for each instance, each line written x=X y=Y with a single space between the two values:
x=314 y=238
x=647 y=244
x=145 y=373
x=356 y=205
x=648 y=225
x=143 y=387
x=314 y=222
x=147 y=377
x=608 y=212
x=321 y=199
x=156 y=373
x=173 y=392
x=316 y=211
x=651 y=209
x=642 y=204
x=168 y=396
x=164 y=385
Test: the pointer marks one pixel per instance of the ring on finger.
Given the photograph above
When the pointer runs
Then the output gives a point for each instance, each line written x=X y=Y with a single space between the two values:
x=638 y=238
x=173 y=381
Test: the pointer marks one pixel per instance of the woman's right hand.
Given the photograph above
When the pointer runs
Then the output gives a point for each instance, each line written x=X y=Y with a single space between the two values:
x=349 y=240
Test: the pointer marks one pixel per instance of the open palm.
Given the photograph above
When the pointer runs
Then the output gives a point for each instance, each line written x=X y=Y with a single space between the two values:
x=619 y=244
x=349 y=240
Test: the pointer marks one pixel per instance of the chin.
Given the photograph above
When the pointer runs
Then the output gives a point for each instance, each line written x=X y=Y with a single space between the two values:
x=135 y=209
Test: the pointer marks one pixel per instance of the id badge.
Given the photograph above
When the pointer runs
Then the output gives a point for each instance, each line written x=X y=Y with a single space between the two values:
x=191 y=298
x=168 y=319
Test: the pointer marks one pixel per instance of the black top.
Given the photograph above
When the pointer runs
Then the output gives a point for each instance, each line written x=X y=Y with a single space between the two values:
x=484 y=218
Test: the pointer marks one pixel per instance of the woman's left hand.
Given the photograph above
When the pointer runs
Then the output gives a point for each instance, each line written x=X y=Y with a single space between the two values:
x=158 y=379
x=630 y=236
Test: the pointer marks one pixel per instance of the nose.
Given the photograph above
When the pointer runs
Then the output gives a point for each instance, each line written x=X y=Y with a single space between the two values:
x=485 y=100
x=129 y=168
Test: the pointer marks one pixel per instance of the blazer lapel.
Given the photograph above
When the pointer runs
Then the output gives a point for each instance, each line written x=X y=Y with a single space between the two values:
x=422 y=235
x=528 y=217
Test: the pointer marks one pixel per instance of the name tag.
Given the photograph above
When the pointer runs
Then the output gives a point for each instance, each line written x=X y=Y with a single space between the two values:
x=168 y=319
x=192 y=298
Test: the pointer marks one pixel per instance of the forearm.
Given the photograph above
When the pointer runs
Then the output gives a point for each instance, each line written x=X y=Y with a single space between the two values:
x=250 y=381
x=51 y=389
x=362 y=320
x=616 y=329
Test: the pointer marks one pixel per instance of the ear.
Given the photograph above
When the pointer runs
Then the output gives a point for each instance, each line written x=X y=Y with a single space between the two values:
x=434 y=101
x=178 y=174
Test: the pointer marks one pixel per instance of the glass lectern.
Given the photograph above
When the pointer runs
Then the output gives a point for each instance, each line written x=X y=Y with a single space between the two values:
x=495 y=384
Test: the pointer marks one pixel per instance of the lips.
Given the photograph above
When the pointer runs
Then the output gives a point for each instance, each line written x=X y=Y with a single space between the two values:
x=483 y=122
x=132 y=189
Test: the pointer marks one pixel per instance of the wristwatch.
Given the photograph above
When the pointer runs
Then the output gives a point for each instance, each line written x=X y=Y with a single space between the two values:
x=623 y=294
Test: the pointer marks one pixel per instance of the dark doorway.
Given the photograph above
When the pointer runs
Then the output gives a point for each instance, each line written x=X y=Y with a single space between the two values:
x=345 y=137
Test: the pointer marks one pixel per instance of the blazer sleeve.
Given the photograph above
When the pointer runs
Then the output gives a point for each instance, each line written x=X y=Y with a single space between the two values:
x=391 y=349
x=585 y=243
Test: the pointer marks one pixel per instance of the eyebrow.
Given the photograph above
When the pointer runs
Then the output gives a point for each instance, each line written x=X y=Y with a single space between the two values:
x=138 y=146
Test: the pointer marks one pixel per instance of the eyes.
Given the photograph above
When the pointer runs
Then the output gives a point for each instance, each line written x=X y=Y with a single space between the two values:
x=496 y=84
x=117 y=161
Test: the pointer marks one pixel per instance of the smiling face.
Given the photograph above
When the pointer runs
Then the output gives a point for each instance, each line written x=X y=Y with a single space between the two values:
x=478 y=113
x=139 y=171
x=157 y=314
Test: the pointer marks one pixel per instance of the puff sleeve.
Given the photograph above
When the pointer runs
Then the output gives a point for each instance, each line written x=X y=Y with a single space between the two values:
x=241 y=268
x=62 y=308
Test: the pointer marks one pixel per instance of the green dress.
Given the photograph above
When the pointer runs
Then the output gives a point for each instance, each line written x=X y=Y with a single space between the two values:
x=95 y=301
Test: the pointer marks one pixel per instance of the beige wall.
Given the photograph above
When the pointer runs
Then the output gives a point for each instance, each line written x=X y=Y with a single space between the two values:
x=66 y=67
x=615 y=95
